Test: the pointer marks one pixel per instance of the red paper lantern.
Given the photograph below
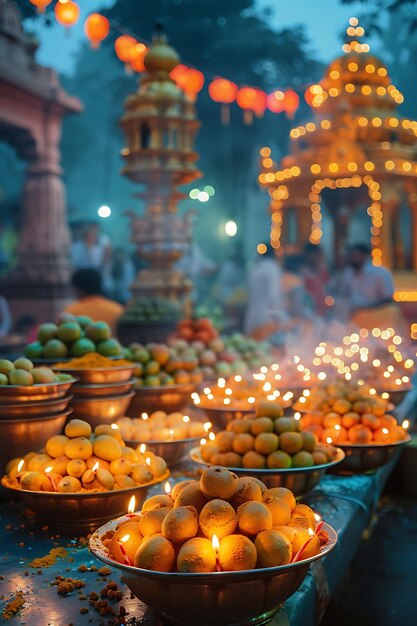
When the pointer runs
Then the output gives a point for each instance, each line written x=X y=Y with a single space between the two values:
x=291 y=102
x=96 y=29
x=222 y=90
x=67 y=13
x=178 y=74
x=137 y=57
x=123 y=47
x=41 y=4
x=275 y=101
x=311 y=93
x=252 y=100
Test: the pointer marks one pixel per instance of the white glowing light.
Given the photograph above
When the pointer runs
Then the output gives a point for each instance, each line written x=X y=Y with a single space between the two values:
x=230 y=228
x=104 y=211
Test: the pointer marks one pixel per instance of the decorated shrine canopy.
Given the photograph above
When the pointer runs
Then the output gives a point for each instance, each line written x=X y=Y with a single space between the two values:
x=357 y=140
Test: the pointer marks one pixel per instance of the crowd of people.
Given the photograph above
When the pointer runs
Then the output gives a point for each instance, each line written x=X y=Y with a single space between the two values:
x=300 y=294
x=294 y=294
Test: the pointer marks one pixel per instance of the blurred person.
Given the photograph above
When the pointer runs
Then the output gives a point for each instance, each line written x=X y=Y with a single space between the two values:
x=315 y=275
x=87 y=284
x=198 y=267
x=5 y=317
x=265 y=314
x=92 y=249
x=368 y=291
x=120 y=276
x=298 y=302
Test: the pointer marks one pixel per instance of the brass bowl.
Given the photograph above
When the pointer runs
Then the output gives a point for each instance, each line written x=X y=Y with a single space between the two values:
x=117 y=374
x=220 y=417
x=102 y=389
x=173 y=451
x=300 y=480
x=364 y=458
x=34 y=409
x=169 y=398
x=24 y=435
x=78 y=513
x=101 y=410
x=14 y=394
x=248 y=597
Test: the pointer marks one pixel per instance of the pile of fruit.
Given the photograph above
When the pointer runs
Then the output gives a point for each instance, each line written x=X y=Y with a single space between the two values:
x=73 y=336
x=346 y=414
x=201 y=329
x=256 y=527
x=23 y=372
x=160 y=426
x=240 y=393
x=151 y=310
x=322 y=397
x=157 y=364
x=267 y=441
x=81 y=461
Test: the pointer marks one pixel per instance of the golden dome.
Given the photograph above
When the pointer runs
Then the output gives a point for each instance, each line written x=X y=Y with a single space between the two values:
x=161 y=56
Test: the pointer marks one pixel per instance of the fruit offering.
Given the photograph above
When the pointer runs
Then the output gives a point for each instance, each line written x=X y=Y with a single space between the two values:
x=157 y=364
x=151 y=310
x=347 y=414
x=161 y=426
x=80 y=461
x=197 y=330
x=241 y=393
x=267 y=441
x=219 y=523
x=73 y=336
x=22 y=372
x=342 y=393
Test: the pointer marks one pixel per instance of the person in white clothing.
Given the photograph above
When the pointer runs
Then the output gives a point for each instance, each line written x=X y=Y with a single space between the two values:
x=265 y=309
x=365 y=286
x=92 y=250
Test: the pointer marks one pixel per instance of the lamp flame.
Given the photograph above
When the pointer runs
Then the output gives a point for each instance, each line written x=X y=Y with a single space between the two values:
x=212 y=436
x=167 y=488
x=385 y=431
x=47 y=469
x=142 y=448
x=185 y=419
x=22 y=462
x=145 y=416
x=329 y=440
x=203 y=442
x=405 y=425
x=207 y=426
x=125 y=538
x=148 y=461
x=132 y=505
x=215 y=543
x=95 y=467
x=114 y=426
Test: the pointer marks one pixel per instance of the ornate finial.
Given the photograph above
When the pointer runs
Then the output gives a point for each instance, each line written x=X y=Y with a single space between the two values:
x=354 y=33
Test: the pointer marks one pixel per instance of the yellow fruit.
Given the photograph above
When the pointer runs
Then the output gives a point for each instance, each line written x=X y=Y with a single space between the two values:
x=262 y=425
x=107 y=448
x=77 y=428
x=237 y=553
x=129 y=536
x=79 y=448
x=266 y=443
x=273 y=549
x=120 y=466
x=130 y=454
x=124 y=482
x=290 y=442
x=151 y=521
x=39 y=462
x=155 y=502
x=157 y=466
x=218 y=518
x=239 y=426
x=243 y=443
x=180 y=524
x=107 y=429
x=284 y=494
x=93 y=460
x=55 y=446
x=196 y=555
x=253 y=517
x=253 y=460
x=141 y=474
x=280 y=511
x=217 y=482
x=35 y=481
x=224 y=441
x=69 y=484
x=155 y=553
x=76 y=468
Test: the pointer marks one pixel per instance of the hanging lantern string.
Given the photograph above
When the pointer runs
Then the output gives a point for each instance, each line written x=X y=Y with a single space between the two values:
x=253 y=100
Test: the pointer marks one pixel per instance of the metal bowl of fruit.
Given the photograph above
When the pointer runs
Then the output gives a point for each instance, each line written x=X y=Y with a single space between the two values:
x=103 y=389
x=361 y=458
x=22 y=410
x=28 y=433
x=78 y=513
x=101 y=409
x=243 y=598
x=300 y=480
x=93 y=376
x=396 y=396
x=13 y=394
x=168 y=398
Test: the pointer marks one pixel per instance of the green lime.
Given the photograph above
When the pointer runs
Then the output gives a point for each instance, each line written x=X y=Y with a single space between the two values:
x=109 y=347
x=42 y=375
x=55 y=349
x=69 y=332
x=82 y=346
x=98 y=331
x=64 y=378
x=3 y=379
x=23 y=364
x=46 y=332
x=21 y=377
x=6 y=366
x=34 y=350
x=83 y=320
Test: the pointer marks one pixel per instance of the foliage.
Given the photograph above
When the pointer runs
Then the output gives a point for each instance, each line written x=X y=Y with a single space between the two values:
x=376 y=9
